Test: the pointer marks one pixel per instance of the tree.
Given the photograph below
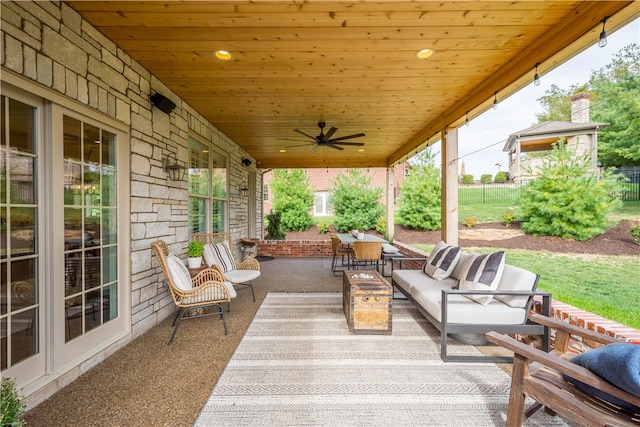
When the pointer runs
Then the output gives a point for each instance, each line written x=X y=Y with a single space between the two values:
x=355 y=203
x=293 y=198
x=420 y=195
x=615 y=99
x=566 y=200
x=618 y=88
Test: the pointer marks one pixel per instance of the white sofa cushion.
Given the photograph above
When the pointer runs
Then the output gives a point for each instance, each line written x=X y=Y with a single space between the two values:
x=482 y=273
x=179 y=273
x=461 y=310
x=442 y=260
x=241 y=276
x=407 y=279
x=516 y=279
x=220 y=255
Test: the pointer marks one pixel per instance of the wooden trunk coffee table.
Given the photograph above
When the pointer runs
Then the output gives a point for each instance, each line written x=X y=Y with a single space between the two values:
x=366 y=299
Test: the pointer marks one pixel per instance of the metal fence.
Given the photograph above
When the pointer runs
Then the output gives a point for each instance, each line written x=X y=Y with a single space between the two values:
x=508 y=193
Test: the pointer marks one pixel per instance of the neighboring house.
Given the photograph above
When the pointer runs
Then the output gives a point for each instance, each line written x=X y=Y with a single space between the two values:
x=580 y=134
x=322 y=179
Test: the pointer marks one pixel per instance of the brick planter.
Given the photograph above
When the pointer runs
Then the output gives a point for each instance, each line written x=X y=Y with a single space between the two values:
x=295 y=248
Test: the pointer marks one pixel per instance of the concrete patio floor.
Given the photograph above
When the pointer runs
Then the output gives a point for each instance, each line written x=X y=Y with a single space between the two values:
x=150 y=383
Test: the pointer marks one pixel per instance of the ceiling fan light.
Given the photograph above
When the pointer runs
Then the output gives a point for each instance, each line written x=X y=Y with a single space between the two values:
x=425 y=53
x=222 y=54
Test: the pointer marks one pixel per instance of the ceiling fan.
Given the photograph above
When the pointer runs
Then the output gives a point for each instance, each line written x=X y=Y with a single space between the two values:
x=325 y=140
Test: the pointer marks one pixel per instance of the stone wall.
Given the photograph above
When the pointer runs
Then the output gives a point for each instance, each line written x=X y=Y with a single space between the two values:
x=49 y=44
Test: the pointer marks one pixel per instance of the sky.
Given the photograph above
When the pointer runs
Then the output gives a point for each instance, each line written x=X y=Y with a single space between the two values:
x=489 y=131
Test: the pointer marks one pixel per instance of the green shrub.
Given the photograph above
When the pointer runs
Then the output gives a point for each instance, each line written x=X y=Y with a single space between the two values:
x=293 y=197
x=381 y=225
x=470 y=221
x=323 y=227
x=467 y=179
x=567 y=199
x=12 y=405
x=508 y=217
x=274 y=231
x=634 y=232
x=501 y=177
x=355 y=203
x=420 y=195
x=485 y=178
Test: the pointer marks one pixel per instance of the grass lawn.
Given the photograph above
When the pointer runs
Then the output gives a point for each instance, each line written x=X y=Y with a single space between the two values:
x=603 y=285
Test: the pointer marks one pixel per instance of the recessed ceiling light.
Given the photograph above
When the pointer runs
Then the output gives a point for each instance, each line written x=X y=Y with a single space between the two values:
x=360 y=149
x=222 y=54
x=425 y=53
x=283 y=151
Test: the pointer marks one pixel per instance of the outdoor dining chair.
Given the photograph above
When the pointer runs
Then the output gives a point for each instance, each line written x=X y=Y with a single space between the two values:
x=338 y=251
x=197 y=295
x=218 y=253
x=365 y=253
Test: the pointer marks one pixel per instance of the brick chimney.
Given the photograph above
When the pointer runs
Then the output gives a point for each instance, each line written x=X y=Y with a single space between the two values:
x=580 y=107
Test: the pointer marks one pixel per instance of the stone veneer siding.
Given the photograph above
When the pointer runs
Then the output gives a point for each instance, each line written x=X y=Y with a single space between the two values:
x=49 y=44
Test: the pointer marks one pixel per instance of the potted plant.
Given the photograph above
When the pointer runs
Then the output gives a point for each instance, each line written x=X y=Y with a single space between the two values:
x=194 y=254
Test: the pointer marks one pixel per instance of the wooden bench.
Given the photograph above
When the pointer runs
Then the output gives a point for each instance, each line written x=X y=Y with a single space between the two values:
x=538 y=375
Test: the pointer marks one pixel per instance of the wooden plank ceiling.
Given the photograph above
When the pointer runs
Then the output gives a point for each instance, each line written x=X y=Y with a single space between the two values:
x=351 y=64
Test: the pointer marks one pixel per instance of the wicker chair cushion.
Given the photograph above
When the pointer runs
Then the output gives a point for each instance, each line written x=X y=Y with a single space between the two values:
x=179 y=273
x=441 y=261
x=220 y=255
x=389 y=249
x=482 y=273
x=617 y=363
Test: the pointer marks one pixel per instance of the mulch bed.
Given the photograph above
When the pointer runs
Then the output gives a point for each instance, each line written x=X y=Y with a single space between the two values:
x=615 y=241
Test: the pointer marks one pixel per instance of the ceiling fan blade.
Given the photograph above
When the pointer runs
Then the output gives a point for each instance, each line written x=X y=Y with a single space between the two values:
x=335 y=147
x=357 y=144
x=330 y=133
x=342 y=138
x=290 y=139
x=315 y=148
x=299 y=145
x=305 y=134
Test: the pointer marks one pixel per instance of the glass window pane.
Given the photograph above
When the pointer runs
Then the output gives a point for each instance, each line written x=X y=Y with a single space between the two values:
x=72 y=183
x=108 y=196
x=3 y=232
x=91 y=144
x=109 y=226
x=73 y=234
x=109 y=149
x=72 y=141
x=218 y=216
x=197 y=215
x=219 y=178
x=4 y=343
x=72 y=273
x=109 y=264
x=22 y=127
x=23 y=284
x=110 y=302
x=4 y=289
x=24 y=342
x=92 y=269
x=22 y=173
x=23 y=228
x=198 y=168
x=92 y=315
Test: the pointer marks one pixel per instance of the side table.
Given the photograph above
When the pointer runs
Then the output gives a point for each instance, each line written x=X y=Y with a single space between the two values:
x=391 y=256
x=366 y=300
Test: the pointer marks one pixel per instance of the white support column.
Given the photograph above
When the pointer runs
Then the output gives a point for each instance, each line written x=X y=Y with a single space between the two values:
x=391 y=207
x=449 y=209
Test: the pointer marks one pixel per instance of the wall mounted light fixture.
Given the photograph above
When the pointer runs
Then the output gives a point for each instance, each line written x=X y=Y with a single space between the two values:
x=536 y=77
x=466 y=120
x=173 y=169
x=495 y=100
x=246 y=162
x=602 y=41
x=244 y=190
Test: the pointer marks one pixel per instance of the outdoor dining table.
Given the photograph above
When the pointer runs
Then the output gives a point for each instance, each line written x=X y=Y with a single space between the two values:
x=348 y=239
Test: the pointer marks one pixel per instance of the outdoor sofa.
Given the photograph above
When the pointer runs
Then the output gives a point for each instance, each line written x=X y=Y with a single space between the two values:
x=492 y=296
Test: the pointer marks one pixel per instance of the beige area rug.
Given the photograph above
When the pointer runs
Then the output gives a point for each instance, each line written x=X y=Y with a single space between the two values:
x=297 y=365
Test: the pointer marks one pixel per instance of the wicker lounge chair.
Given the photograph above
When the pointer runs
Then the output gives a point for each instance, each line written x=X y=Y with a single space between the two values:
x=240 y=274
x=207 y=290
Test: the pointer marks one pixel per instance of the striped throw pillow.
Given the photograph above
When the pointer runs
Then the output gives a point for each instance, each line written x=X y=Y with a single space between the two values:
x=441 y=261
x=481 y=273
x=220 y=255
